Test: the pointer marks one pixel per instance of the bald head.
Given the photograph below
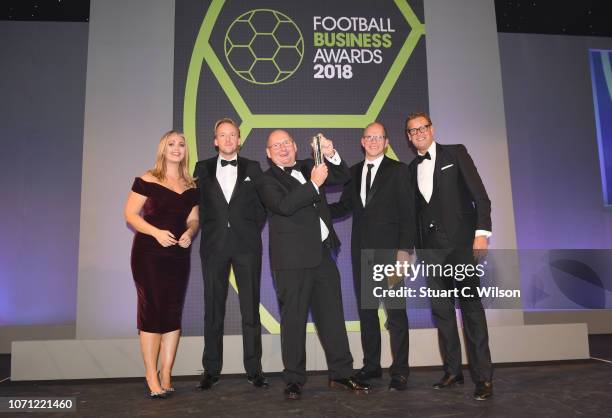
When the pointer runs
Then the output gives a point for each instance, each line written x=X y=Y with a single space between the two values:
x=277 y=133
x=377 y=126
x=374 y=140
x=281 y=148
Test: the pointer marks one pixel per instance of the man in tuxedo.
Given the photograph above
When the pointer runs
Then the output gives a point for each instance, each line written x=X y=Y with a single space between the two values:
x=232 y=219
x=302 y=239
x=454 y=223
x=379 y=198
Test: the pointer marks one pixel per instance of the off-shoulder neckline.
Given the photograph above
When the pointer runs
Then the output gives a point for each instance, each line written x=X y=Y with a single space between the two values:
x=167 y=188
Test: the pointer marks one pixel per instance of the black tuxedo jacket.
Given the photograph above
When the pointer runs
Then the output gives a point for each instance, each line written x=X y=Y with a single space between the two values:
x=387 y=219
x=244 y=212
x=459 y=203
x=295 y=209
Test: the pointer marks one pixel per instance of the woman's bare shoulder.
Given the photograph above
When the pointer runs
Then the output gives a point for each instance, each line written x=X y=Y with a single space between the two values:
x=147 y=176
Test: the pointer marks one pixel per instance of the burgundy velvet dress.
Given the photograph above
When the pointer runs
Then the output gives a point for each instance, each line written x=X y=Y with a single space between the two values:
x=161 y=273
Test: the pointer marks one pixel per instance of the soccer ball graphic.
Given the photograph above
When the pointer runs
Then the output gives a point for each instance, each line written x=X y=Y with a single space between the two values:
x=264 y=46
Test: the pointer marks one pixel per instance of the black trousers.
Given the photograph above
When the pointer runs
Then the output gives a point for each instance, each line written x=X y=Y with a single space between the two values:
x=444 y=313
x=397 y=318
x=318 y=290
x=247 y=270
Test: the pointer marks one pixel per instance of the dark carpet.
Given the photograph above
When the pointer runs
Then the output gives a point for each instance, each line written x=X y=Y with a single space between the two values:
x=561 y=389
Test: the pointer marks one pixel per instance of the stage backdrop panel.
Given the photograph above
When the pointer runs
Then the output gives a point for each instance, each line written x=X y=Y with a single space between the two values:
x=305 y=67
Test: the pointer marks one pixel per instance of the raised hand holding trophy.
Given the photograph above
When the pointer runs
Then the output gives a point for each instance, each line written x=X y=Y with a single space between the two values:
x=317 y=155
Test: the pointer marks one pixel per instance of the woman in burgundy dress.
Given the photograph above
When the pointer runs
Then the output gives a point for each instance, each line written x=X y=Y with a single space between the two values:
x=163 y=209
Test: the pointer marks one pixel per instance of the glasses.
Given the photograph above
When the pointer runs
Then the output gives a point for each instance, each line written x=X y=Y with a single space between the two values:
x=421 y=129
x=374 y=138
x=278 y=145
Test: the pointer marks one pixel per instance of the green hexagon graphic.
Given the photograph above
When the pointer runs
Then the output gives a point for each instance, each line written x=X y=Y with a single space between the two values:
x=263 y=33
x=203 y=52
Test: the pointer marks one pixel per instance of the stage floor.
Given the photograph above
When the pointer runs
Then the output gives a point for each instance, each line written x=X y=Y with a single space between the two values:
x=542 y=389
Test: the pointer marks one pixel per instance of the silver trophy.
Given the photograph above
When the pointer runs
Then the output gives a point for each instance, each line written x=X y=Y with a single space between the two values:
x=315 y=143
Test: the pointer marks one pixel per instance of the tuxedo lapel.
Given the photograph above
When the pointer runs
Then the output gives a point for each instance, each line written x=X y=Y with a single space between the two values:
x=284 y=178
x=436 y=172
x=381 y=175
x=441 y=161
x=304 y=169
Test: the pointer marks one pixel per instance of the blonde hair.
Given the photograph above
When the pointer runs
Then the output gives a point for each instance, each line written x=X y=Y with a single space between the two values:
x=226 y=120
x=159 y=171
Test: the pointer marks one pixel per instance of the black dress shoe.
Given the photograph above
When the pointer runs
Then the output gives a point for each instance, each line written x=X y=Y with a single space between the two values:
x=484 y=390
x=293 y=391
x=398 y=382
x=350 y=383
x=448 y=381
x=258 y=380
x=207 y=381
x=363 y=375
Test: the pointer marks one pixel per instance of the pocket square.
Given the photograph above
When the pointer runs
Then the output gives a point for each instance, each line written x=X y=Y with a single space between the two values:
x=446 y=166
x=247 y=179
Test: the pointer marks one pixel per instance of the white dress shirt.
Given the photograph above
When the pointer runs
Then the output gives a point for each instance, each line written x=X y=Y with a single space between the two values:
x=425 y=173
x=364 y=174
x=297 y=174
x=226 y=176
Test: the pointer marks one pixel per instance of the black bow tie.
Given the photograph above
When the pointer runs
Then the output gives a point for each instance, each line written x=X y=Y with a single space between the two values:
x=226 y=162
x=288 y=170
x=425 y=156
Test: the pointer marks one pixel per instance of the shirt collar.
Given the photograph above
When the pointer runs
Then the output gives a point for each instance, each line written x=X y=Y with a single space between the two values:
x=431 y=150
x=294 y=166
x=219 y=158
x=376 y=161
